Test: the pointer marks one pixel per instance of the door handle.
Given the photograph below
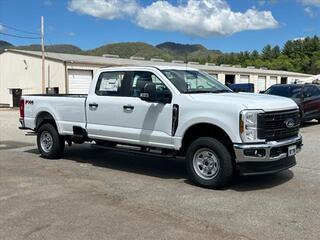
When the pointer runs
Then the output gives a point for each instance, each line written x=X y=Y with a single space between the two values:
x=128 y=107
x=93 y=105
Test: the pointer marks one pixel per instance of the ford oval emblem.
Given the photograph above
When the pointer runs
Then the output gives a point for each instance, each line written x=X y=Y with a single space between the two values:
x=290 y=123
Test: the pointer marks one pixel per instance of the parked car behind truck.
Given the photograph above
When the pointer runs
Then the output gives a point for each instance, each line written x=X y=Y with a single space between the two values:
x=307 y=96
x=172 y=111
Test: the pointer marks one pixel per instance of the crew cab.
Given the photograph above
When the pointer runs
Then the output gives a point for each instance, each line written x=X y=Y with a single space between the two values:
x=176 y=112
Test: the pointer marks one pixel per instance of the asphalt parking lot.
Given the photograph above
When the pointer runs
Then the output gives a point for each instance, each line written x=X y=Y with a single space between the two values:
x=99 y=194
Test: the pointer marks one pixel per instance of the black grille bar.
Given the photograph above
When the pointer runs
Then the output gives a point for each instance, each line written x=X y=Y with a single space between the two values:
x=274 y=125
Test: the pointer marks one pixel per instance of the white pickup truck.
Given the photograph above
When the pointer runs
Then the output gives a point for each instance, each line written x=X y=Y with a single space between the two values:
x=172 y=111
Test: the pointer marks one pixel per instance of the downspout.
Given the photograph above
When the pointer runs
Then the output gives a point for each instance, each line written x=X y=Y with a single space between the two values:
x=66 y=78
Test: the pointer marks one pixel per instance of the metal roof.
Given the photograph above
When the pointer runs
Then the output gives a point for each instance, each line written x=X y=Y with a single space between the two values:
x=107 y=61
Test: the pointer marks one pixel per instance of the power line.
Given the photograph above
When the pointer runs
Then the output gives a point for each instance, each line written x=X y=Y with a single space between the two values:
x=18 y=30
x=18 y=36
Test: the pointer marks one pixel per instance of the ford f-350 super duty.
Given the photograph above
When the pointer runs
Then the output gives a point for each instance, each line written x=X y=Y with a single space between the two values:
x=174 y=111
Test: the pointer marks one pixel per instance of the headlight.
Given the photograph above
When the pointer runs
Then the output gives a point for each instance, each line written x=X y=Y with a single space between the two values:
x=249 y=125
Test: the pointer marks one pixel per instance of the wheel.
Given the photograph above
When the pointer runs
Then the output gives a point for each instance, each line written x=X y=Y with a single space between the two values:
x=318 y=120
x=50 y=143
x=209 y=163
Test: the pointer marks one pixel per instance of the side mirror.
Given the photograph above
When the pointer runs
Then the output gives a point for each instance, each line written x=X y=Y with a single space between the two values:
x=149 y=93
x=262 y=91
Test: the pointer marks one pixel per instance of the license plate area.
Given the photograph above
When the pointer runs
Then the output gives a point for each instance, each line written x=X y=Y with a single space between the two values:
x=292 y=150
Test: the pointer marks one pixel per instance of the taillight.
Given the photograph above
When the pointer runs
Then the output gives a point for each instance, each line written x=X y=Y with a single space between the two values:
x=21 y=107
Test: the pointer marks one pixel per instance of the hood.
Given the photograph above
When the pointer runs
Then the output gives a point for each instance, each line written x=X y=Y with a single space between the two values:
x=248 y=100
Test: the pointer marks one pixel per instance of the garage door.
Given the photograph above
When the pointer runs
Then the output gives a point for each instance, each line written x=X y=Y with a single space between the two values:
x=273 y=81
x=79 y=81
x=243 y=79
x=261 y=86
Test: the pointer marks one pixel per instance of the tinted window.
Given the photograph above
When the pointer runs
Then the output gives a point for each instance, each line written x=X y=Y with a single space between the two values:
x=287 y=91
x=109 y=83
x=311 y=91
x=139 y=79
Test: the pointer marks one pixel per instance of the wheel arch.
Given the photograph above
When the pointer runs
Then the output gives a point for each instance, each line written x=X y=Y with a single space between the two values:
x=44 y=117
x=198 y=130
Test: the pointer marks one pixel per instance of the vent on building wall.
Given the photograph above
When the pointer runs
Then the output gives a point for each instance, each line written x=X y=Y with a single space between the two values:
x=110 y=56
x=157 y=60
x=177 y=61
x=137 y=58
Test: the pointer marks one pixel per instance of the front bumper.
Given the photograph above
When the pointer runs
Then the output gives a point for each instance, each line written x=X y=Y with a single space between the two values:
x=269 y=157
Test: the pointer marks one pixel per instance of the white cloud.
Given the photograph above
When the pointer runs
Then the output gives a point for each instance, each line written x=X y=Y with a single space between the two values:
x=1 y=28
x=315 y=3
x=299 y=39
x=310 y=12
x=107 y=9
x=203 y=18
x=192 y=17
x=47 y=3
x=71 y=34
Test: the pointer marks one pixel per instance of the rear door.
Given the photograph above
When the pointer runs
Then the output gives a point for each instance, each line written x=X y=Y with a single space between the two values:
x=104 y=107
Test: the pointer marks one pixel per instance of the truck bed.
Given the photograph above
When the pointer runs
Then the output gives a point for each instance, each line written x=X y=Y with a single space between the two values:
x=67 y=109
x=57 y=95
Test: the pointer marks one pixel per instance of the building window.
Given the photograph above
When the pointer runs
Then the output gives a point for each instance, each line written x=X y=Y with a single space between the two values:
x=230 y=79
x=52 y=90
x=284 y=80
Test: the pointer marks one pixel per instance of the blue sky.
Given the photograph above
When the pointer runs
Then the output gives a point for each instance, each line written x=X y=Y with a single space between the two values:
x=227 y=25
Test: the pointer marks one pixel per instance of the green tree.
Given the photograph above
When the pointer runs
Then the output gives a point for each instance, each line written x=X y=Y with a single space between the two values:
x=267 y=52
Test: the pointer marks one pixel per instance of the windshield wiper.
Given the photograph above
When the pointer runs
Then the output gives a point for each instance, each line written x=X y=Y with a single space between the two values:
x=221 y=91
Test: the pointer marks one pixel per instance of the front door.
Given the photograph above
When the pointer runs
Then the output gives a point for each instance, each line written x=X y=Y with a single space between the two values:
x=150 y=123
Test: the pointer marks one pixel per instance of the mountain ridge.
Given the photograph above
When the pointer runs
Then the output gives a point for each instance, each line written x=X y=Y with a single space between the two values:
x=298 y=55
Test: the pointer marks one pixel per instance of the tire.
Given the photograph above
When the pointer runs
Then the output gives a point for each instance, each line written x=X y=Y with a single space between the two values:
x=214 y=159
x=50 y=143
x=318 y=120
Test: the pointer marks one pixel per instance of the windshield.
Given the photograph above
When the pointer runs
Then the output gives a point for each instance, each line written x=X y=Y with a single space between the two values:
x=285 y=91
x=192 y=81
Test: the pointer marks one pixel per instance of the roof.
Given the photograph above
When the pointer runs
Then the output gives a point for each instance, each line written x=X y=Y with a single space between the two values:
x=107 y=61
x=159 y=67
x=293 y=85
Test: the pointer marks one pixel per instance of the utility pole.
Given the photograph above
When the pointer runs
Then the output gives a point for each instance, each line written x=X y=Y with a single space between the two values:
x=42 y=49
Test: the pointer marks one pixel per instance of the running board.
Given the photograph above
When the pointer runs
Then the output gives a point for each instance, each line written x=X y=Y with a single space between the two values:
x=140 y=150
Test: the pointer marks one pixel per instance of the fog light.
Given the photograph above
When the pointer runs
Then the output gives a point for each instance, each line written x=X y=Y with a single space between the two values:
x=255 y=152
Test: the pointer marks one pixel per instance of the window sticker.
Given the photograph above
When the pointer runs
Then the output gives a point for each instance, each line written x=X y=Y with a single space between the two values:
x=110 y=85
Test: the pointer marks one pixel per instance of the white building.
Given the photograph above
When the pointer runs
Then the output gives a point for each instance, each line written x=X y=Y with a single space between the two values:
x=20 y=73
